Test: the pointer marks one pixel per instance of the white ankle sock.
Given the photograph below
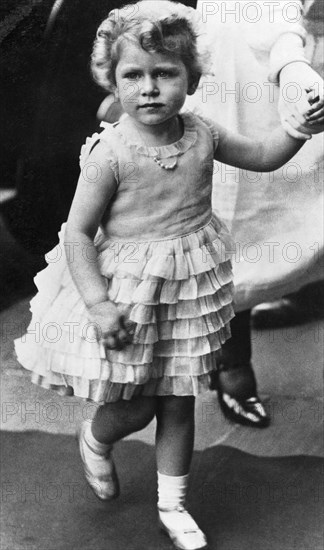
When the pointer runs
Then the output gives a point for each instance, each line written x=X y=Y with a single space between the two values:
x=175 y=519
x=171 y=491
x=94 y=444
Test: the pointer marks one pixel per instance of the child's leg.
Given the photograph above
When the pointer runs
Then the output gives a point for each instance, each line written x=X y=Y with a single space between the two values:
x=174 y=448
x=175 y=434
x=112 y=422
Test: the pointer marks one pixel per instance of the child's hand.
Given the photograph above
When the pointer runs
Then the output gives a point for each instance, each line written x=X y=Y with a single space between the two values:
x=301 y=101
x=315 y=114
x=112 y=328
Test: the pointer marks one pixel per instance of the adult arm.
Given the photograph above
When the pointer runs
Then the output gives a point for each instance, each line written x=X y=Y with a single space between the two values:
x=301 y=99
x=280 y=31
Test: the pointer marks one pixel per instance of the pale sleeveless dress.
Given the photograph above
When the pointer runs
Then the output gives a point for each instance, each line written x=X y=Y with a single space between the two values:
x=165 y=259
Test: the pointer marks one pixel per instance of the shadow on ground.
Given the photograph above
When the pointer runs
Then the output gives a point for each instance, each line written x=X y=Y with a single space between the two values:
x=244 y=502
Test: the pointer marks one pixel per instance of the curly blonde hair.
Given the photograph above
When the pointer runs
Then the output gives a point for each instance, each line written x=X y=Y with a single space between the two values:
x=157 y=26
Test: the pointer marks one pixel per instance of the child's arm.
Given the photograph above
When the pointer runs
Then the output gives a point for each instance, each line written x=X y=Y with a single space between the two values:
x=257 y=155
x=95 y=189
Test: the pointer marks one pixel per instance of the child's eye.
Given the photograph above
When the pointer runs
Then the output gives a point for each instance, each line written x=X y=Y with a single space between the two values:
x=132 y=76
x=162 y=74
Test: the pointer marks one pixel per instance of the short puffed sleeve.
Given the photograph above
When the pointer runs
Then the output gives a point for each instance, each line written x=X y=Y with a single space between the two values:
x=108 y=138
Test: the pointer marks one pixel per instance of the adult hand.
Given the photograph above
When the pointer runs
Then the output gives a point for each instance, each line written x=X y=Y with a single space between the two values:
x=301 y=101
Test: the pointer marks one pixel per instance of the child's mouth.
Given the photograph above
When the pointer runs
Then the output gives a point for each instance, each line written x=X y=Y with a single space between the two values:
x=150 y=106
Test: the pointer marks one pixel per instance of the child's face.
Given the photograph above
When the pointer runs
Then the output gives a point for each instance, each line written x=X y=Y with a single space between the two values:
x=151 y=87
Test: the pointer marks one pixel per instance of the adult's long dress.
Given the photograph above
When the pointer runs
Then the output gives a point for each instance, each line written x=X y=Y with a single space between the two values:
x=276 y=218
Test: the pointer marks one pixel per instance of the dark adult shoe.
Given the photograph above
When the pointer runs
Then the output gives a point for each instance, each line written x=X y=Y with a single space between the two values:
x=285 y=312
x=297 y=308
x=247 y=412
x=237 y=394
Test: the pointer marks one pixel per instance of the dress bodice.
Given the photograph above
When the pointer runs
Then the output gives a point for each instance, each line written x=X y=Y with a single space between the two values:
x=152 y=203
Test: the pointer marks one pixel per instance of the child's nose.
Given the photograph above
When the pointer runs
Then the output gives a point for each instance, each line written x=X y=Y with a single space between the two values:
x=149 y=86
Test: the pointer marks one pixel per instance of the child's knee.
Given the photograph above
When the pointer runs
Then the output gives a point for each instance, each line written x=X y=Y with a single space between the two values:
x=144 y=409
x=148 y=409
x=181 y=409
x=185 y=409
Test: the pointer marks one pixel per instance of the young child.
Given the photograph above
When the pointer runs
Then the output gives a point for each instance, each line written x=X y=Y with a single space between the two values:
x=145 y=261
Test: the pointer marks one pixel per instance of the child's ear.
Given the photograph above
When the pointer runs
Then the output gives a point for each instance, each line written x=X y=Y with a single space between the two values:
x=193 y=86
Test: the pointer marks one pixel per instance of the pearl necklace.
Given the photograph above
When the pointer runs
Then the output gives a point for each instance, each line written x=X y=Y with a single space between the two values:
x=165 y=166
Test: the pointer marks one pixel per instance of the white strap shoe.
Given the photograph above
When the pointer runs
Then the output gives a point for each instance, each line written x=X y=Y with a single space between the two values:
x=182 y=529
x=99 y=469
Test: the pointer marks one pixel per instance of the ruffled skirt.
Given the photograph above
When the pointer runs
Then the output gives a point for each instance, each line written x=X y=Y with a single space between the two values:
x=177 y=292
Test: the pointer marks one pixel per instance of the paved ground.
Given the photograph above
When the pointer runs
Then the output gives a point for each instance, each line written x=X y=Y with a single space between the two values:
x=250 y=489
